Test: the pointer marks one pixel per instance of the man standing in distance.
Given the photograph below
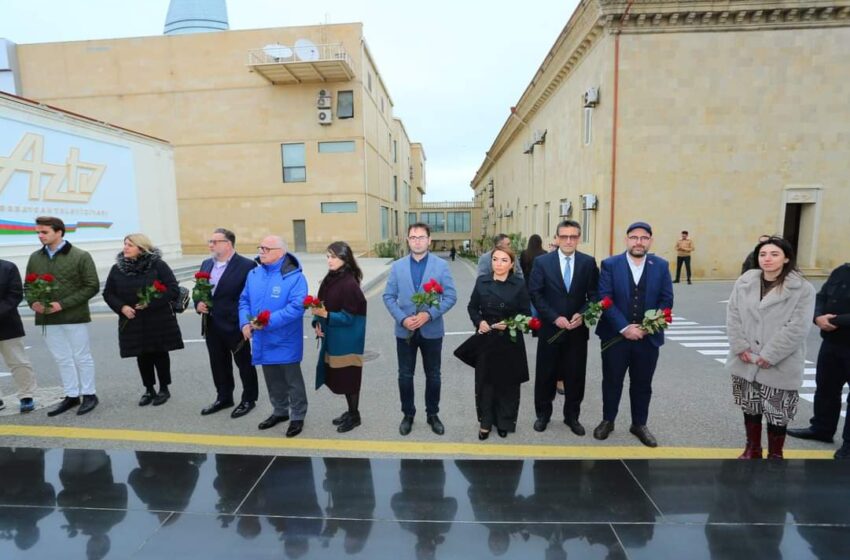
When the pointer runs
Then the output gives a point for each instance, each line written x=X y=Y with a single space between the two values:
x=424 y=326
x=562 y=283
x=684 y=248
x=67 y=316
x=636 y=281
x=228 y=271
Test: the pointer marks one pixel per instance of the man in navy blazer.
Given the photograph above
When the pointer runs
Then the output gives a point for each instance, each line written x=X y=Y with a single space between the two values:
x=416 y=328
x=637 y=281
x=562 y=284
x=223 y=335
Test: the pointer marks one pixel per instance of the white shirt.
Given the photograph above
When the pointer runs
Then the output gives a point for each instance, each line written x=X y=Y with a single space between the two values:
x=564 y=260
x=637 y=270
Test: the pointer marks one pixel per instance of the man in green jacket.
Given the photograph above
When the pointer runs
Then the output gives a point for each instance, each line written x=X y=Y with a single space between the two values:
x=66 y=315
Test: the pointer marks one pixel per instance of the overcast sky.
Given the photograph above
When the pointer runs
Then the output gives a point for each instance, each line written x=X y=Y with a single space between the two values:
x=453 y=67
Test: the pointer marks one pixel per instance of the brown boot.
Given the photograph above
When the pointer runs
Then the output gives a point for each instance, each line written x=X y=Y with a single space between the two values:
x=753 y=448
x=775 y=441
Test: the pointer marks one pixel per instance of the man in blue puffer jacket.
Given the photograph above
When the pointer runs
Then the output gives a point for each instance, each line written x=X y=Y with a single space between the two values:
x=278 y=286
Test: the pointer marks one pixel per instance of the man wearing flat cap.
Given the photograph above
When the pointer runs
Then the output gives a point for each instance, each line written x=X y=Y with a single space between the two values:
x=637 y=281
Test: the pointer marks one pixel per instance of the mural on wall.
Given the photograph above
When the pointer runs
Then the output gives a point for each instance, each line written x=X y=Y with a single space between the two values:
x=88 y=183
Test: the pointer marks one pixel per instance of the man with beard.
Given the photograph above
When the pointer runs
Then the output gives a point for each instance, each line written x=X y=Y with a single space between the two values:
x=636 y=281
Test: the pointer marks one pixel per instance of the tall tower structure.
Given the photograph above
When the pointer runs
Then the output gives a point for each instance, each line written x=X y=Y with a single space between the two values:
x=196 y=16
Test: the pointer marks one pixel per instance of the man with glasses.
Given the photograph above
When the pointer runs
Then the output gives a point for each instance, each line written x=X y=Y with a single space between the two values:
x=485 y=264
x=278 y=286
x=416 y=328
x=636 y=281
x=228 y=271
x=562 y=284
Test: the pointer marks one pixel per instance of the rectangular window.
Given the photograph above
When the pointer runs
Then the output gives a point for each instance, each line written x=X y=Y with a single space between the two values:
x=339 y=208
x=294 y=167
x=385 y=222
x=395 y=188
x=587 y=133
x=411 y=218
x=395 y=151
x=395 y=222
x=406 y=193
x=369 y=81
x=336 y=147
x=458 y=222
x=345 y=104
x=436 y=220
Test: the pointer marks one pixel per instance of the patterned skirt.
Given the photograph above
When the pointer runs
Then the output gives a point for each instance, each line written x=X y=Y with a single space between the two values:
x=779 y=406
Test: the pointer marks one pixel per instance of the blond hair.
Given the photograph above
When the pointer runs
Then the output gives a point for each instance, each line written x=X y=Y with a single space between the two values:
x=140 y=240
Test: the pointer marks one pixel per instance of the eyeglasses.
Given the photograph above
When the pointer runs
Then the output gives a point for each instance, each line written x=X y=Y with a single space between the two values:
x=569 y=237
x=262 y=249
x=642 y=238
x=418 y=237
x=214 y=241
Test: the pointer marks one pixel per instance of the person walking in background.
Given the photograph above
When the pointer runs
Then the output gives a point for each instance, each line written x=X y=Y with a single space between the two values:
x=271 y=309
x=526 y=259
x=832 y=317
x=562 y=283
x=684 y=248
x=341 y=324
x=767 y=320
x=453 y=253
x=65 y=319
x=500 y=241
x=417 y=328
x=751 y=262
x=12 y=336
x=147 y=330
x=228 y=271
x=636 y=281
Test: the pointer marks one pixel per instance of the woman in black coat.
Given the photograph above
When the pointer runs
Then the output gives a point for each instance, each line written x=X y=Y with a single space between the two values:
x=148 y=332
x=502 y=365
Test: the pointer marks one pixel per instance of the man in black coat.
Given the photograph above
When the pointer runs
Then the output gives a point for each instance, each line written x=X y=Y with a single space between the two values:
x=562 y=284
x=12 y=335
x=228 y=271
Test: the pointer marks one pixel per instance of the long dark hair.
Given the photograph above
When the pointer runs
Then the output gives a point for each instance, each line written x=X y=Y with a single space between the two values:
x=533 y=250
x=342 y=251
x=787 y=250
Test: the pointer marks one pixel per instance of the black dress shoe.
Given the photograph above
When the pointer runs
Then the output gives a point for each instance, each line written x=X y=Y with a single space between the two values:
x=148 y=397
x=161 y=397
x=843 y=452
x=575 y=426
x=406 y=425
x=644 y=435
x=216 y=406
x=502 y=433
x=603 y=430
x=436 y=426
x=809 y=433
x=271 y=422
x=540 y=425
x=88 y=404
x=339 y=419
x=67 y=404
x=482 y=435
x=295 y=428
x=351 y=421
x=242 y=409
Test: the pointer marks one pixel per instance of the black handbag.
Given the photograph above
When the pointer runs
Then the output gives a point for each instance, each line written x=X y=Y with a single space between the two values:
x=180 y=304
x=470 y=350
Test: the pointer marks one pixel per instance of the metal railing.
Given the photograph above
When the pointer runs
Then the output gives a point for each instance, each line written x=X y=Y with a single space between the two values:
x=273 y=54
x=444 y=205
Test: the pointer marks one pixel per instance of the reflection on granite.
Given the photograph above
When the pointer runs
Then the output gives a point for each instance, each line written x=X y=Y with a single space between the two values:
x=96 y=504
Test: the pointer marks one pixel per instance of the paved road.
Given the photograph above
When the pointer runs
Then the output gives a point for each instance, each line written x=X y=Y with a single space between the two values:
x=691 y=407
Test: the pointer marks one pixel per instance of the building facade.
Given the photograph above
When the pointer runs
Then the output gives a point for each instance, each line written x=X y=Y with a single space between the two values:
x=726 y=119
x=287 y=130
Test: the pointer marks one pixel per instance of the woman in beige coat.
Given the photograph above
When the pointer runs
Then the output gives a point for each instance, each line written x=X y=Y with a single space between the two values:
x=769 y=315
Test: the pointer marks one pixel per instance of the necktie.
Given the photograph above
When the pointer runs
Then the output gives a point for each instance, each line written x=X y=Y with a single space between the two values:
x=567 y=274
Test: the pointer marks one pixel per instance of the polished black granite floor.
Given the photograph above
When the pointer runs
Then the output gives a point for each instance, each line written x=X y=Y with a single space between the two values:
x=93 y=504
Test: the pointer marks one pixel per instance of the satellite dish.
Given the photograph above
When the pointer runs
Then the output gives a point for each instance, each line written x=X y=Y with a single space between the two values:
x=306 y=50
x=277 y=51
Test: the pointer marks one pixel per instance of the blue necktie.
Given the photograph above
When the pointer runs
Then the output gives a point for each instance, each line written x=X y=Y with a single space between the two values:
x=567 y=275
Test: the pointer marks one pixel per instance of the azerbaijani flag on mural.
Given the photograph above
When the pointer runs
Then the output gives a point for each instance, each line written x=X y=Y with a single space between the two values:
x=8 y=227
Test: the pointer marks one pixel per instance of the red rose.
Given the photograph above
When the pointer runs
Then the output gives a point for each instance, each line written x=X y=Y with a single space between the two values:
x=263 y=317
x=159 y=286
x=606 y=303
x=31 y=277
x=534 y=323
x=202 y=275
x=428 y=285
x=48 y=277
x=308 y=301
x=438 y=288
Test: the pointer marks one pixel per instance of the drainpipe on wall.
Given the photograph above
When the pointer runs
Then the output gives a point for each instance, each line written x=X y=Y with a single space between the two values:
x=615 y=127
x=365 y=148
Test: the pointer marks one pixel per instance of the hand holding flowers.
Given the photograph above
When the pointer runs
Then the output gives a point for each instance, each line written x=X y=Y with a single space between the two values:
x=39 y=289
x=255 y=323
x=149 y=293
x=590 y=316
x=428 y=297
x=202 y=292
x=654 y=321
x=518 y=323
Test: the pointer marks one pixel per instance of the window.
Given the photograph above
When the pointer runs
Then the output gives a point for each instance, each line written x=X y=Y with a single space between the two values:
x=385 y=222
x=406 y=193
x=436 y=220
x=395 y=151
x=294 y=169
x=339 y=208
x=458 y=222
x=395 y=188
x=587 y=132
x=369 y=81
x=395 y=222
x=411 y=218
x=336 y=147
x=345 y=104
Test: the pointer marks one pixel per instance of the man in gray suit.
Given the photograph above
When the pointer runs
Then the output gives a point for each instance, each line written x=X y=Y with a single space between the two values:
x=485 y=267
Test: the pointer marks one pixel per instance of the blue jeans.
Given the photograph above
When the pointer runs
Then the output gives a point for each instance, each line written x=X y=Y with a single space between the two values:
x=431 y=349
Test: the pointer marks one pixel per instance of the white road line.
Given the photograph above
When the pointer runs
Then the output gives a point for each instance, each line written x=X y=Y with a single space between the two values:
x=697 y=338
x=677 y=332
x=459 y=333
x=809 y=383
x=721 y=360
x=674 y=327
x=810 y=371
x=5 y=374
x=189 y=341
x=705 y=344
x=713 y=352
x=676 y=323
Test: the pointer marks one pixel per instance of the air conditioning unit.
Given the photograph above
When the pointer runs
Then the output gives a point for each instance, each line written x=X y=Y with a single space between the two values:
x=324 y=93
x=325 y=116
x=527 y=148
x=588 y=202
x=566 y=209
x=509 y=213
x=591 y=97
x=324 y=102
x=539 y=136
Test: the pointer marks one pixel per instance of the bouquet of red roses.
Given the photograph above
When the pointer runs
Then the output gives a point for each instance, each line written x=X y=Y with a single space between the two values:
x=39 y=289
x=654 y=321
x=259 y=322
x=149 y=293
x=202 y=292
x=311 y=302
x=428 y=297
x=590 y=316
x=521 y=323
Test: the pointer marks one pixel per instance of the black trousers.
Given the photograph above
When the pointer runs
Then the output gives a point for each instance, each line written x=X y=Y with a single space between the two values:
x=565 y=359
x=833 y=372
x=639 y=357
x=687 y=262
x=220 y=347
x=153 y=365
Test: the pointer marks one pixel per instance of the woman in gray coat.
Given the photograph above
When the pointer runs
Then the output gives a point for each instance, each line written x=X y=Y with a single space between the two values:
x=769 y=315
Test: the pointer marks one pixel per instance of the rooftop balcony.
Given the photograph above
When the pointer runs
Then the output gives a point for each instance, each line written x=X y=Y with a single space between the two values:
x=302 y=63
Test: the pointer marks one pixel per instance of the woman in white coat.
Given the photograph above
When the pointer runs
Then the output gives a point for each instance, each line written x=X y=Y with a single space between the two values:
x=768 y=318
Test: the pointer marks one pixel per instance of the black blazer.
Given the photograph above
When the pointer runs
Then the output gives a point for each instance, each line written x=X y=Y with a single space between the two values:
x=11 y=294
x=224 y=314
x=549 y=295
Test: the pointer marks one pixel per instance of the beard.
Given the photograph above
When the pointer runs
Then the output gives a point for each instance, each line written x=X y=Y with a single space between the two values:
x=638 y=251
